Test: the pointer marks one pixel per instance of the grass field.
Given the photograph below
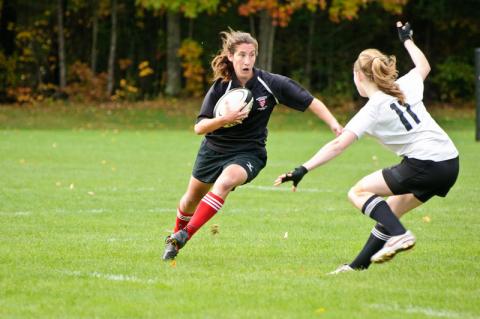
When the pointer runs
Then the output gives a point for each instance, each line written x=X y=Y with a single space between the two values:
x=84 y=212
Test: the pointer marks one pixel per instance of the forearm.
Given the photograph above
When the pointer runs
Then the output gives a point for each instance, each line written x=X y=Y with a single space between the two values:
x=209 y=125
x=325 y=154
x=331 y=150
x=322 y=112
x=418 y=58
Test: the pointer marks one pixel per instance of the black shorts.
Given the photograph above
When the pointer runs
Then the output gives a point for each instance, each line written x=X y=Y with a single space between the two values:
x=210 y=164
x=424 y=179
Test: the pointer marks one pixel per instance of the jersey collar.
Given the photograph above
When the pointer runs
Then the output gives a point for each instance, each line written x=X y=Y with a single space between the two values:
x=250 y=83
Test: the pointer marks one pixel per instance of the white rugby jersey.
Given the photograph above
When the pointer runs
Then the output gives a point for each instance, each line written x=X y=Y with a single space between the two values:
x=406 y=130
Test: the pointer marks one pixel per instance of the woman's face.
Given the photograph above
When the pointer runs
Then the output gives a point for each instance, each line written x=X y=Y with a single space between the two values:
x=243 y=61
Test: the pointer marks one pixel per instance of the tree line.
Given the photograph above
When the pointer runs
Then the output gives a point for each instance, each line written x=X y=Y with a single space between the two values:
x=86 y=50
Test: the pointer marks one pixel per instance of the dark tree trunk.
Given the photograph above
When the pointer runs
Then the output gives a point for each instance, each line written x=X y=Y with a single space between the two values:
x=93 y=60
x=61 y=47
x=251 y=21
x=266 y=41
x=309 y=57
x=113 y=47
x=8 y=15
x=173 y=62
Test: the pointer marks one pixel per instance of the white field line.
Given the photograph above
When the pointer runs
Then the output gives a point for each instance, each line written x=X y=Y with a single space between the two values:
x=284 y=189
x=15 y=213
x=111 y=277
x=430 y=312
x=103 y=210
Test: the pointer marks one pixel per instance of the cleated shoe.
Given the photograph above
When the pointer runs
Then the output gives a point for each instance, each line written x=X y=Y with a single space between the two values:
x=393 y=246
x=173 y=243
x=341 y=268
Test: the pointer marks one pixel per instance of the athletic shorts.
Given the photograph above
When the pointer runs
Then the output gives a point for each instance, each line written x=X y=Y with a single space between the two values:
x=424 y=179
x=210 y=164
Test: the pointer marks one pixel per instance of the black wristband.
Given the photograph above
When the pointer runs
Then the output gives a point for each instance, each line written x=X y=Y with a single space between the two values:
x=296 y=175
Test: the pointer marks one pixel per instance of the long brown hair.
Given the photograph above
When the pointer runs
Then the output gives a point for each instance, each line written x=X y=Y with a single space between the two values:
x=221 y=66
x=380 y=69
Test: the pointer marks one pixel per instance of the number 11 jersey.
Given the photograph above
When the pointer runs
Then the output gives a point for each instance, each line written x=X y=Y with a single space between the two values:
x=408 y=130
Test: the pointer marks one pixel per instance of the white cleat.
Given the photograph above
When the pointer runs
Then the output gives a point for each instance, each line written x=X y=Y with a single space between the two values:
x=340 y=269
x=393 y=246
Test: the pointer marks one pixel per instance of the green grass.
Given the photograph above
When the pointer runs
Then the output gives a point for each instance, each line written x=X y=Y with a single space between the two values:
x=83 y=215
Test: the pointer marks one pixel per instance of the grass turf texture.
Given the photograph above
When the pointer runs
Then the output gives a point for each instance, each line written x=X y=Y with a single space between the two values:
x=83 y=215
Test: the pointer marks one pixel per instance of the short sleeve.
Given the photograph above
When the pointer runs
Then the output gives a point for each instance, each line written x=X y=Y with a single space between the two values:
x=411 y=85
x=363 y=121
x=290 y=93
x=209 y=101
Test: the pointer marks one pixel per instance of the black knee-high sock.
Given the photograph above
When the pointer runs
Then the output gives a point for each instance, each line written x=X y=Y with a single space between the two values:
x=375 y=242
x=377 y=208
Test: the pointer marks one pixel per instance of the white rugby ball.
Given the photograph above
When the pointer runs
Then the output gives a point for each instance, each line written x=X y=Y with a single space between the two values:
x=240 y=98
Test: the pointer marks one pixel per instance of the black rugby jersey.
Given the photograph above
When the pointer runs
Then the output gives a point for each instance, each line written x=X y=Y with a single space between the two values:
x=268 y=90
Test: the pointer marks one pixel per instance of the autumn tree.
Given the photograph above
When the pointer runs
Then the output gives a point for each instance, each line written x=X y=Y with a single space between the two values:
x=175 y=9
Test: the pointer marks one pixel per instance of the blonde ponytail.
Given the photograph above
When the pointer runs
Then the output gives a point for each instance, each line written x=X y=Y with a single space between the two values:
x=382 y=70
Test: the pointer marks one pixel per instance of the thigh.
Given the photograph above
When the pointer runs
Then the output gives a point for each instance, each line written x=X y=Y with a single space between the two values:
x=252 y=163
x=402 y=204
x=375 y=183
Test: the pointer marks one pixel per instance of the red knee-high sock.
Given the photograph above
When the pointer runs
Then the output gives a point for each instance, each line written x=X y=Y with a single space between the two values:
x=182 y=220
x=208 y=206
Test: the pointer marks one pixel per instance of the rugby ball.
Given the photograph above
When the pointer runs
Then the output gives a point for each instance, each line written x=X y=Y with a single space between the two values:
x=239 y=98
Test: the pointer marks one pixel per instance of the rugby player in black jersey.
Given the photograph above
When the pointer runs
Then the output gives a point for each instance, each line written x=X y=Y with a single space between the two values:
x=234 y=155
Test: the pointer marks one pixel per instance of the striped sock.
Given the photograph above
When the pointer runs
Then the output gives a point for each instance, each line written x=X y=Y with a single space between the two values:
x=208 y=206
x=377 y=208
x=182 y=220
x=375 y=242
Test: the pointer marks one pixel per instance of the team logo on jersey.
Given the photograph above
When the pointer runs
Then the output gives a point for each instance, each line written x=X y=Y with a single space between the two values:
x=262 y=102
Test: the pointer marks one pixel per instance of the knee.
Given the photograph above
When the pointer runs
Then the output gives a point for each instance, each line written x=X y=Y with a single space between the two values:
x=354 y=193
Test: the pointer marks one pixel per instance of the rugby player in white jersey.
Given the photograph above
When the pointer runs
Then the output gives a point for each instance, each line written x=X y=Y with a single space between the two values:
x=396 y=116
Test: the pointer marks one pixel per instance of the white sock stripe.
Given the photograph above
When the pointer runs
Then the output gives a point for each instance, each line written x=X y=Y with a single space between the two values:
x=212 y=202
x=213 y=199
x=183 y=217
x=372 y=205
x=380 y=235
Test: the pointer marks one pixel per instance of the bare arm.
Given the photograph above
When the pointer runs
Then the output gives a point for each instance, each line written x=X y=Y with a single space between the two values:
x=209 y=125
x=322 y=112
x=421 y=63
x=325 y=154
x=331 y=150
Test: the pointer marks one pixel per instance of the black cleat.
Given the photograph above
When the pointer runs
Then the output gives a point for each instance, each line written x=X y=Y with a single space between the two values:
x=173 y=243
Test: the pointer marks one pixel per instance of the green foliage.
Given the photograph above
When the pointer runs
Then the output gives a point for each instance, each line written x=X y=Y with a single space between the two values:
x=446 y=30
x=190 y=8
x=454 y=79
x=8 y=78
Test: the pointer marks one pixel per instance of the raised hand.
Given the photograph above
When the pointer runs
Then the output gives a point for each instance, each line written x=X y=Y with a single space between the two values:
x=405 y=32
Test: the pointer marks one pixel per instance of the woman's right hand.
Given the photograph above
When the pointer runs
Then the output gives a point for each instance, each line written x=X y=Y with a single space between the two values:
x=235 y=114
